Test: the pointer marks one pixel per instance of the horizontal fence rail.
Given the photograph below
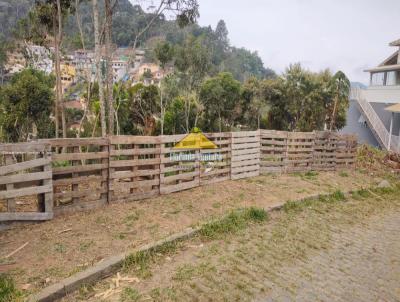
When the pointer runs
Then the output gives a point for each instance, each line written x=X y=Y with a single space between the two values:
x=49 y=177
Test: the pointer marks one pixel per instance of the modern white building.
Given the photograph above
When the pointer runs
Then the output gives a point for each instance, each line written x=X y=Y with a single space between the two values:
x=375 y=111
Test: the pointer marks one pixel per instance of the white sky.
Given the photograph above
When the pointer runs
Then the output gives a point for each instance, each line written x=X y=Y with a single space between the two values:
x=350 y=35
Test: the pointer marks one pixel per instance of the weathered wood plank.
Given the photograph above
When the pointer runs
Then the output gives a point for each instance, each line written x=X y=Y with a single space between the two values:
x=72 y=142
x=78 y=180
x=24 y=165
x=134 y=162
x=135 y=184
x=179 y=187
x=137 y=173
x=23 y=147
x=25 y=191
x=245 y=146
x=77 y=169
x=139 y=140
x=141 y=151
x=82 y=193
x=245 y=175
x=79 y=156
x=25 y=216
x=25 y=177
x=182 y=176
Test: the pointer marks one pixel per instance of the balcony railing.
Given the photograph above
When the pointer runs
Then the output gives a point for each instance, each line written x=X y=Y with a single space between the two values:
x=373 y=119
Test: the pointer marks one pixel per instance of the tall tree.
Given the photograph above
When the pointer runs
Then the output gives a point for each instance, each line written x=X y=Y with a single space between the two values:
x=3 y=58
x=254 y=102
x=47 y=18
x=25 y=106
x=99 y=75
x=341 y=89
x=193 y=61
x=185 y=11
x=221 y=31
x=164 y=53
x=219 y=95
x=109 y=70
x=144 y=106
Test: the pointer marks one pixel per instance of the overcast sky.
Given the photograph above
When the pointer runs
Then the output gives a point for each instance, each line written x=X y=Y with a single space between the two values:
x=350 y=35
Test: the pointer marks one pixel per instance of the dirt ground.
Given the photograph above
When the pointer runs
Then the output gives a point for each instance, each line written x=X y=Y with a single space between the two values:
x=59 y=248
x=325 y=250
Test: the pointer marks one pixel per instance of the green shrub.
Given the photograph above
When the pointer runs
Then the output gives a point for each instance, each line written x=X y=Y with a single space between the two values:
x=8 y=290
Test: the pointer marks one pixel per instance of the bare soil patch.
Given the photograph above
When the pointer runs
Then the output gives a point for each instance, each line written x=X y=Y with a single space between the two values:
x=68 y=244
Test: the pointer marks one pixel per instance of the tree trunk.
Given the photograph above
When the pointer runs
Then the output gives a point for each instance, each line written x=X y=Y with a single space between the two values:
x=162 y=109
x=333 y=114
x=220 y=121
x=59 y=38
x=98 y=67
x=58 y=75
x=108 y=44
x=88 y=70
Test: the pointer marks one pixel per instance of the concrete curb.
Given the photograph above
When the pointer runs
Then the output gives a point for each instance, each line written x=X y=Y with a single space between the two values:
x=109 y=266
x=101 y=270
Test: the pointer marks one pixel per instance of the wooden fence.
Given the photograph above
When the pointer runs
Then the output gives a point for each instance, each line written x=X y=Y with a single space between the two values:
x=54 y=176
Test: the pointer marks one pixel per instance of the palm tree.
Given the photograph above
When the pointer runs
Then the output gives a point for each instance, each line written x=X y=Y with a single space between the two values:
x=341 y=90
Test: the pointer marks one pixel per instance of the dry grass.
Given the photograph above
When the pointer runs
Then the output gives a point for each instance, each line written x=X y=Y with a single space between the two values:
x=246 y=262
x=90 y=237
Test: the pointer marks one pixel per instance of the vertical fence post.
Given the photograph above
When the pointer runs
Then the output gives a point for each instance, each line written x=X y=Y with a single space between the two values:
x=106 y=173
x=11 y=204
x=48 y=197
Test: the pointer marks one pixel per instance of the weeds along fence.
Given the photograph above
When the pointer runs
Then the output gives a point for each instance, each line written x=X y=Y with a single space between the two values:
x=48 y=177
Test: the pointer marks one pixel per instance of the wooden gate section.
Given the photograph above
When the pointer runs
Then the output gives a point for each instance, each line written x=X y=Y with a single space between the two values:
x=346 y=151
x=134 y=167
x=324 y=154
x=245 y=154
x=25 y=182
x=273 y=146
x=180 y=169
x=299 y=151
x=218 y=168
x=80 y=173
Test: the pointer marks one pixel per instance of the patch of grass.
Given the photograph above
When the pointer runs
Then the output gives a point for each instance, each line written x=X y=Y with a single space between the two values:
x=311 y=174
x=216 y=205
x=121 y=236
x=85 y=292
x=8 y=289
x=140 y=261
x=298 y=206
x=233 y=222
x=85 y=245
x=343 y=174
x=338 y=195
x=60 y=248
x=187 y=272
x=184 y=272
x=132 y=217
x=130 y=295
x=360 y=194
x=256 y=214
x=164 y=294
x=102 y=220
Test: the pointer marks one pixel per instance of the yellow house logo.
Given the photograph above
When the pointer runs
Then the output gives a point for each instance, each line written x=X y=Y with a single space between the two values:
x=194 y=141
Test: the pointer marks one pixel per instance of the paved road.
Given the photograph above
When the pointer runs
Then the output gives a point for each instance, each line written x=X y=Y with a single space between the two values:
x=363 y=265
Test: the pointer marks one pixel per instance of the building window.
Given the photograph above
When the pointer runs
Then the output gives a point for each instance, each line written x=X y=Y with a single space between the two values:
x=378 y=79
x=391 y=77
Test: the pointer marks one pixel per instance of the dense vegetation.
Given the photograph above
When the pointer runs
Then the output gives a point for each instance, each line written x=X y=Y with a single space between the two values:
x=214 y=86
